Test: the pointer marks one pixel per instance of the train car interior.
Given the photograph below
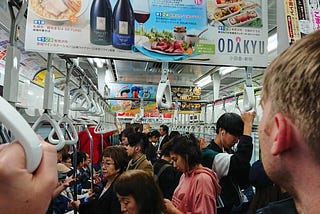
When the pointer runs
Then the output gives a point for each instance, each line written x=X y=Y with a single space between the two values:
x=40 y=96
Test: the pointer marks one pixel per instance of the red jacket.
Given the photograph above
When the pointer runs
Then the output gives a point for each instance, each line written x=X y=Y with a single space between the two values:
x=84 y=143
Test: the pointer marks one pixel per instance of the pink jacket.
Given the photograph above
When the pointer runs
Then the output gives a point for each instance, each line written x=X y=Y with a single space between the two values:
x=197 y=191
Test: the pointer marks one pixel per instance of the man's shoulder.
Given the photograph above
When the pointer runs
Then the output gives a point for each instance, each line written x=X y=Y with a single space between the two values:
x=213 y=146
x=278 y=207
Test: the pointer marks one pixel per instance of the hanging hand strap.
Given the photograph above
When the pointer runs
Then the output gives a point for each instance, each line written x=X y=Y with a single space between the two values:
x=22 y=132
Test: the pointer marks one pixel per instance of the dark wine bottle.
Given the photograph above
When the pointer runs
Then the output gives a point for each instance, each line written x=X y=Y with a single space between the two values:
x=101 y=22
x=123 y=25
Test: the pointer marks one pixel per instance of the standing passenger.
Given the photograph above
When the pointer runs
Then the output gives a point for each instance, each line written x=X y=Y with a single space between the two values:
x=232 y=167
x=114 y=162
x=198 y=187
x=267 y=194
x=138 y=193
x=289 y=128
x=164 y=136
x=151 y=146
x=124 y=136
x=165 y=174
x=99 y=141
x=135 y=150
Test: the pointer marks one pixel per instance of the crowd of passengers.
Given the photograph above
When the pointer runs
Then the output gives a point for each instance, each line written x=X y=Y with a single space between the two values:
x=166 y=172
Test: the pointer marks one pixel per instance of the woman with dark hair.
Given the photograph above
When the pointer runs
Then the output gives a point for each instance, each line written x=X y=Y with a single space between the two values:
x=113 y=163
x=138 y=193
x=198 y=187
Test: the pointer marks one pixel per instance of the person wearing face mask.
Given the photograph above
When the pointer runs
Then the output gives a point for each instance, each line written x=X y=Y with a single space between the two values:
x=232 y=167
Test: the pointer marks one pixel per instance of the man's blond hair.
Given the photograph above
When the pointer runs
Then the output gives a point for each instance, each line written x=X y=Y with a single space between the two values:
x=292 y=84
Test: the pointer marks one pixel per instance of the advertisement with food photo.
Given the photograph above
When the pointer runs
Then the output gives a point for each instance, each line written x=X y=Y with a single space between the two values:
x=239 y=30
x=57 y=10
x=245 y=13
x=114 y=27
x=224 y=32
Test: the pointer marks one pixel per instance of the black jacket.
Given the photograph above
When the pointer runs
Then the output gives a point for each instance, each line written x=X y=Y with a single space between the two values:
x=163 y=141
x=169 y=178
x=238 y=172
x=107 y=203
x=286 y=206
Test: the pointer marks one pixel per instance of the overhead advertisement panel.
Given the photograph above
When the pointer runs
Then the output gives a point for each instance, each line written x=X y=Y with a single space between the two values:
x=302 y=18
x=212 y=32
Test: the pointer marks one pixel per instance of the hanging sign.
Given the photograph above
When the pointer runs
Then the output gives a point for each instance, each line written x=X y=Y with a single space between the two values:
x=302 y=17
x=215 y=32
x=129 y=108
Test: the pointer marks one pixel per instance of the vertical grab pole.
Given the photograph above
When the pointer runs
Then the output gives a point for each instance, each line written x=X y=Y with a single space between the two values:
x=91 y=153
x=11 y=76
x=75 y=189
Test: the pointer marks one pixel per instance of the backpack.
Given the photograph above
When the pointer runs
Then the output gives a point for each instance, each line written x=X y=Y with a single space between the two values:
x=156 y=177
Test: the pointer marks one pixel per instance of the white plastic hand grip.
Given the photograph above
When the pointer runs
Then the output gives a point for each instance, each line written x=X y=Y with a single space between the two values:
x=76 y=107
x=100 y=128
x=164 y=89
x=71 y=129
x=248 y=98
x=22 y=131
x=59 y=143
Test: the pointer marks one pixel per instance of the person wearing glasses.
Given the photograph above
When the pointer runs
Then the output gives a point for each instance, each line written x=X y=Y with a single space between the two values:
x=113 y=163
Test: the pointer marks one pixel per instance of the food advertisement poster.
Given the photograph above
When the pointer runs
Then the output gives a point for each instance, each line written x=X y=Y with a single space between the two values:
x=186 y=95
x=214 y=32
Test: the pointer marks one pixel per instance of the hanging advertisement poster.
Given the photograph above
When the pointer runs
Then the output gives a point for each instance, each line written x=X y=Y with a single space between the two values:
x=292 y=20
x=300 y=18
x=129 y=107
x=186 y=96
x=313 y=8
x=239 y=29
x=213 y=32
x=4 y=42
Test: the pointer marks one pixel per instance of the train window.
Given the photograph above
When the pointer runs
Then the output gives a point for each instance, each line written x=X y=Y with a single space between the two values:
x=4 y=135
x=44 y=131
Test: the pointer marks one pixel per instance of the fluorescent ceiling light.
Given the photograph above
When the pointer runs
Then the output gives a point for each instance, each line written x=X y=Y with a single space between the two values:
x=108 y=77
x=272 y=42
x=90 y=60
x=204 y=81
x=226 y=70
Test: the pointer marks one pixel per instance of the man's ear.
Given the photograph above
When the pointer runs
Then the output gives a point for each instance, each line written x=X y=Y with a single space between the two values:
x=282 y=134
x=221 y=130
x=137 y=148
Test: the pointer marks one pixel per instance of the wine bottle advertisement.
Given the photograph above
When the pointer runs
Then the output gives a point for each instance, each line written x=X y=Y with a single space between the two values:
x=220 y=32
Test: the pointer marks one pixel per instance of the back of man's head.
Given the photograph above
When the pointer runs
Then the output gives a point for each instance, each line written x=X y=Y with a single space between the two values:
x=231 y=123
x=137 y=139
x=291 y=83
x=165 y=128
x=155 y=133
